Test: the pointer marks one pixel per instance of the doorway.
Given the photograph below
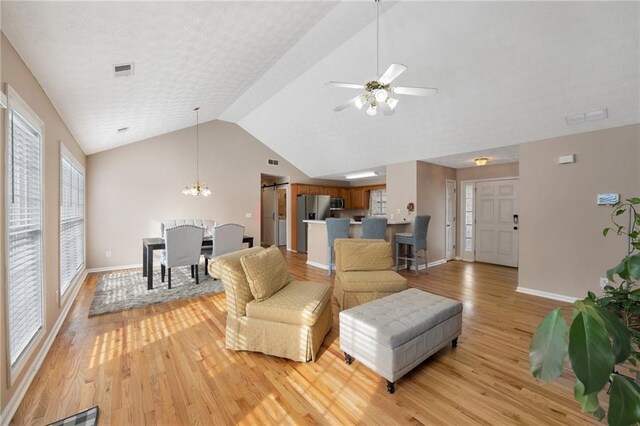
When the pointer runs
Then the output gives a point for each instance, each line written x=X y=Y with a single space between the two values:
x=450 y=220
x=489 y=225
x=273 y=210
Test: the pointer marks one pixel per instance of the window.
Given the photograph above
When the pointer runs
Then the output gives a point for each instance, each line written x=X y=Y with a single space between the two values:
x=378 y=202
x=71 y=219
x=24 y=230
x=468 y=202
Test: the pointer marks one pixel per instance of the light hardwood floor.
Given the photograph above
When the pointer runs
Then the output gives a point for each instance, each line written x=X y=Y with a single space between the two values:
x=167 y=365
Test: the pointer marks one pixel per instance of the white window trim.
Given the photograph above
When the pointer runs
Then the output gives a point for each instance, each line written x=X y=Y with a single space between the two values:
x=63 y=298
x=15 y=102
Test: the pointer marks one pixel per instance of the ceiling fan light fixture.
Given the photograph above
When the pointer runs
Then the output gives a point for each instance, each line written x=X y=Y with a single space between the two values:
x=392 y=102
x=372 y=110
x=360 y=102
x=381 y=95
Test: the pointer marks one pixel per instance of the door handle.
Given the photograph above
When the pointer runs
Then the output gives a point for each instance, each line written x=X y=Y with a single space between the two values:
x=274 y=216
x=515 y=219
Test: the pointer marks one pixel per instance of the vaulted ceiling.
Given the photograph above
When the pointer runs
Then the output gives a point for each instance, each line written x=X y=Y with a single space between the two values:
x=507 y=72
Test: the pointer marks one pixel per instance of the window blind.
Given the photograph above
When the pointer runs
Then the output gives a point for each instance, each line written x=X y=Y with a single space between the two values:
x=24 y=216
x=71 y=222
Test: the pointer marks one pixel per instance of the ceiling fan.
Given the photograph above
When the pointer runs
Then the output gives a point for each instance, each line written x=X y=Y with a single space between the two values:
x=378 y=94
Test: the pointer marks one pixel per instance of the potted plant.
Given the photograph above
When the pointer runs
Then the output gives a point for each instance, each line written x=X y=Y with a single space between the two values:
x=602 y=341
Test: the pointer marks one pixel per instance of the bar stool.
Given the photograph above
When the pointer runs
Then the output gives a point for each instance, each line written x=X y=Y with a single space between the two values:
x=414 y=242
x=374 y=228
x=336 y=228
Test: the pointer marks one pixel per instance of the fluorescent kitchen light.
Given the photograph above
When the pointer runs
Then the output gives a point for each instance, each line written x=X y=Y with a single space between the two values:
x=361 y=175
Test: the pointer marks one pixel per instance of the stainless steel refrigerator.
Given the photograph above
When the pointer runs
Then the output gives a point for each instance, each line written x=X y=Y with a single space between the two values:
x=310 y=207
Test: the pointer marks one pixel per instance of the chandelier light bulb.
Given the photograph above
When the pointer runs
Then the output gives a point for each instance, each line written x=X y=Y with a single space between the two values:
x=381 y=95
x=372 y=110
x=360 y=101
x=392 y=102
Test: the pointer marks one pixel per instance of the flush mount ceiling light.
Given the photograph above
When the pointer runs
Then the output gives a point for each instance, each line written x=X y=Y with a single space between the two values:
x=361 y=175
x=481 y=161
x=196 y=188
x=379 y=93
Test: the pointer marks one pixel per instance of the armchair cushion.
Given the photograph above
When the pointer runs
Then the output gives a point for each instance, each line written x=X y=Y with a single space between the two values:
x=266 y=272
x=363 y=255
x=381 y=281
x=299 y=303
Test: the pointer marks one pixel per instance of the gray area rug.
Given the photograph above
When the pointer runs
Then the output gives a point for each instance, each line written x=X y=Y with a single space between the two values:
x=120 y=290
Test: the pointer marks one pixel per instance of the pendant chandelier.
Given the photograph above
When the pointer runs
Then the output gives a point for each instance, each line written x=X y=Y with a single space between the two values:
x=196 y=188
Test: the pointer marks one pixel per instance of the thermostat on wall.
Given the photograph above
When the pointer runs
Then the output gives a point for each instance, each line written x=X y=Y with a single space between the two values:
x=608 y=199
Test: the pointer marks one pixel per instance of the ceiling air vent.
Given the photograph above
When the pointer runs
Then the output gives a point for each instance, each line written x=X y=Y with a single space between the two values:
x=123 y=70
x=273 y=162
x=123 y=129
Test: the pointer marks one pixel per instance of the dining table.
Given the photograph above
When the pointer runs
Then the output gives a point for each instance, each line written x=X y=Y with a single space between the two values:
x=150 y=244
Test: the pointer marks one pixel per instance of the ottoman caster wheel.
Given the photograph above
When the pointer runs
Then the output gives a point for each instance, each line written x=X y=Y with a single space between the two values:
x=454 y=343
x=391 y=387
x=348 y=359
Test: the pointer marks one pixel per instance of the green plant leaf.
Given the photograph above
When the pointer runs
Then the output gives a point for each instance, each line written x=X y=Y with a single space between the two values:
x=624 y=401
x=605 y=231
x=590 y=352
x=620 y=270
x=634 y=200
x=633 y=266
x=548 y=348
x=588 y=403
x=620 y=211
x=620 y=334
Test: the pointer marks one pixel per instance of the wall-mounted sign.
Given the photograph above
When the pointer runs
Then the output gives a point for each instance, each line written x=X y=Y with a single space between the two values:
x=608 y=199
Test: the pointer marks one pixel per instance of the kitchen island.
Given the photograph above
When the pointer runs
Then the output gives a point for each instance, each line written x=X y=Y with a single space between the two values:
x=317 y=238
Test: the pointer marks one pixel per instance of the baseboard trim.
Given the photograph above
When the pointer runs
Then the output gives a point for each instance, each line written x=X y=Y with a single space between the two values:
x=12 y=406
x=546 y=295
x=114 y=268
x=317 y=265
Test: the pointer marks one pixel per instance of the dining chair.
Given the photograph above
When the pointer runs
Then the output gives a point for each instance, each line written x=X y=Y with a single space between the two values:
x=336 y=228
x=414 y=242
x=226 y=238
x=183 y=247
x=374 y=228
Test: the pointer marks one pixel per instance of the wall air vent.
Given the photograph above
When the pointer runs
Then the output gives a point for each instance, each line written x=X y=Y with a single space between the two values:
x=123 y=70
x=123 y=129
x=273 y=162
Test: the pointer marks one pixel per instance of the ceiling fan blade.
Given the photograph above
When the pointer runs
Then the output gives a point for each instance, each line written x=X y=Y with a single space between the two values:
x=415 y=91
x=386 y=109
x=350 y=102
x=391 y=73
x=345 y=85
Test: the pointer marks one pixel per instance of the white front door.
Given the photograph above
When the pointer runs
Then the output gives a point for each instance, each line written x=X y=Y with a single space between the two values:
x=497 y=222
x=450 y=221
x=269 y=216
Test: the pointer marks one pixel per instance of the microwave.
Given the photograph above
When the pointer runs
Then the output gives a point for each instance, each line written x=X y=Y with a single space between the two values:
x=336 y=204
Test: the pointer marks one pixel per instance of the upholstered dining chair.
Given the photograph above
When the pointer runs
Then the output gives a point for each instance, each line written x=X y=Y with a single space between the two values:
x=414 y=242
x=183 y=246
x=227 y=238
x=336 y=228
x=374 y=228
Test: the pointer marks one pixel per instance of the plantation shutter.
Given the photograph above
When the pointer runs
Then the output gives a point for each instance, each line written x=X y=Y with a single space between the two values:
x=24 y=216
x=71 y=221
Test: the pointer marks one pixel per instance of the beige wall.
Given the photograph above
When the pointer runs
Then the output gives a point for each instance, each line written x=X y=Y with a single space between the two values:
x=133 y=188
x=402 y=188
x=431 y=198
x=493 y=171
x=562 y=249
x=16 y=73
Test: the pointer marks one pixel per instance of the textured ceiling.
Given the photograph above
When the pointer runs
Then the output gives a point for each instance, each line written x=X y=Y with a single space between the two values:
x=507 y=72
x=186 y=54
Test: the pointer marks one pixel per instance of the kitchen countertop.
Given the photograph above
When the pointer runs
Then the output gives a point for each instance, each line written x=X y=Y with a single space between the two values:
x=353 y=222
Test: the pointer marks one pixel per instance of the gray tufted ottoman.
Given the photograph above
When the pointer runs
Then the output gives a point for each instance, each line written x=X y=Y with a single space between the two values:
x=394 y=334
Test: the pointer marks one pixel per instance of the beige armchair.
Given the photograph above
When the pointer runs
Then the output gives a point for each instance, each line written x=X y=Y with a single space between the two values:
x=291 y=323
x=364 y=272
